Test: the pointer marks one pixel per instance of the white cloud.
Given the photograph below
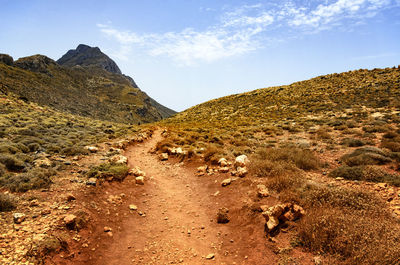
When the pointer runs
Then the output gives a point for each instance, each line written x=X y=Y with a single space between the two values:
x=243 y=29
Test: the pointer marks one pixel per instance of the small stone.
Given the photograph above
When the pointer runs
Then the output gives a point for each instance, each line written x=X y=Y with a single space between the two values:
x=70 y=197
x=92 y=149
x=19 y=217
x=382 y=185
x=241 y=172
x=223 y=170
x=317 y=260
x=34 y=203
x=226 y=182
x=91 y=182
x=223 y=162
x=222 y=216
x=140 y=180
x=163 y=156
x=70 y=221
x=262 y=191
x=107 y=229
x=210 y=256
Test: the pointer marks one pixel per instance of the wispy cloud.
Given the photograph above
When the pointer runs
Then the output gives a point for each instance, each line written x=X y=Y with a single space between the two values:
x=245 y=29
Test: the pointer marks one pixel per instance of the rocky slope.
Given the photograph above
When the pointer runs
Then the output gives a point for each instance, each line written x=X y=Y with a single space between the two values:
x=84 y=82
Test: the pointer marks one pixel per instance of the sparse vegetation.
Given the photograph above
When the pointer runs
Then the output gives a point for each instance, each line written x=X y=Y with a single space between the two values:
x=109 y=171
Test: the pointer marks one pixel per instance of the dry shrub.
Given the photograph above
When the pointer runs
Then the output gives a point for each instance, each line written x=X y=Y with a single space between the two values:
x=366 y=173
x=212 y=154
x=355 y=237
x=164 y=145
x=391 y=145
x=109 y=170
x=366 y=156
x=11 y=162
x=7 y=202
x=352 y=142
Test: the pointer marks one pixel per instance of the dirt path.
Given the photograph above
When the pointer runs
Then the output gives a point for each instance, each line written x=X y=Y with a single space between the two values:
x=175 y=222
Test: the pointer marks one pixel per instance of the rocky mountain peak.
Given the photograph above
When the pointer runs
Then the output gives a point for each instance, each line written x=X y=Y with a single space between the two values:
x=85 y=55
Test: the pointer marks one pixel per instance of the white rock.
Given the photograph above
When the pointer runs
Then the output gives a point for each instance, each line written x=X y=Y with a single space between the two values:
x=241 y=172
x=140 y=180
x=226 y=182
x=92 y=149
x=119 y=160
x=223 y=162
x=241 y=161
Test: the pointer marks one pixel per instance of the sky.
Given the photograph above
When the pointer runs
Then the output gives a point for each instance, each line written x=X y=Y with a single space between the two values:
x=185 y=52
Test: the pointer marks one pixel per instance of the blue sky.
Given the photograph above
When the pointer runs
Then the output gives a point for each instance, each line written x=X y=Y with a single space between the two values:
x=184 y=52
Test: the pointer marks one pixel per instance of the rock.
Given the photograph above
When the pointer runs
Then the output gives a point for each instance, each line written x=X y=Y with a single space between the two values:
x=6 y=59
x=163 y=156
x=241 y=161
x=43 y=162
x=222 y=216
x=119 y=160
x=137 y=172
x=91 y=182
x=224 y=170
x=226 y=182
x=107 y=229
x=92 y=149
x=317 y=260
x=210 y=256
x=262 y=191
x=132 y=207
x=281 y=213
x=223 y=162
x=19 y=217
x=381 y=185
x=241 y=172
x=34 y=203
x=70 y=221
x=140 y=180
x=70 y=197
x=202 y=170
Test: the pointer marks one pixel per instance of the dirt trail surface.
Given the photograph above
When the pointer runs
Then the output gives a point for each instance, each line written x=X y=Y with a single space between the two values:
x=175 y=221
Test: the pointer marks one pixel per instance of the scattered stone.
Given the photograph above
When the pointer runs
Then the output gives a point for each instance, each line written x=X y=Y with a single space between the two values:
x=43 y=162
x=70 y=221
x=119 y=160
x=91 y=182
x=222 y=216
x=317 y=260
x=224 y=170
x=34 y=203
x=92 y=149
x=19 y=217
x=241 y=161
x=281 y=213
x=163 y=156
x=262 y=191
x=241 y=172
x=132 y=207
x=137 y=172
x=210 y=256
x=140 y=180
x=382 y=185
x=70 y=197
x=223 y=162
x=202 y=169
x=226 y=182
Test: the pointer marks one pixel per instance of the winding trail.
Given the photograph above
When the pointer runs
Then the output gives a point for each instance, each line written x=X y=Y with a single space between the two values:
x=175 y=222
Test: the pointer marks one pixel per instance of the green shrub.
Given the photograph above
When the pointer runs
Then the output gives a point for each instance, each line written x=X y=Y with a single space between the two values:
x=11 y=162
x=35 y=179
x=108 y=170
x=74 y=150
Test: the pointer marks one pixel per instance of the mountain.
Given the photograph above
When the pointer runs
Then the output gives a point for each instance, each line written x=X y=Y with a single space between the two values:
x=85 y=55
x=84 y=81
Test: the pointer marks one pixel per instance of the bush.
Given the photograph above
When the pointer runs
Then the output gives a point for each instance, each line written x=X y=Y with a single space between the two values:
x=11 y=162
x=352 y=142
x=212 y=154
x=365 y=173
x=356 y=237
x=35 y=179
x=75 y=150
x=7 y=202
x=392 y=146
x=109 y=171
x=366 y=156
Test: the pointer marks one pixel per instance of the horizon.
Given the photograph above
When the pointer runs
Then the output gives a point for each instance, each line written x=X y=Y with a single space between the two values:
x=187 y=52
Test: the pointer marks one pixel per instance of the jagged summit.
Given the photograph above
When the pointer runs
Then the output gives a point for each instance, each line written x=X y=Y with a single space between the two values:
x=85 y=55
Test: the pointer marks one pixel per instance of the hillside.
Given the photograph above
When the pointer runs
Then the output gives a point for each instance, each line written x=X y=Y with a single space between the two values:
x=89 y=85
